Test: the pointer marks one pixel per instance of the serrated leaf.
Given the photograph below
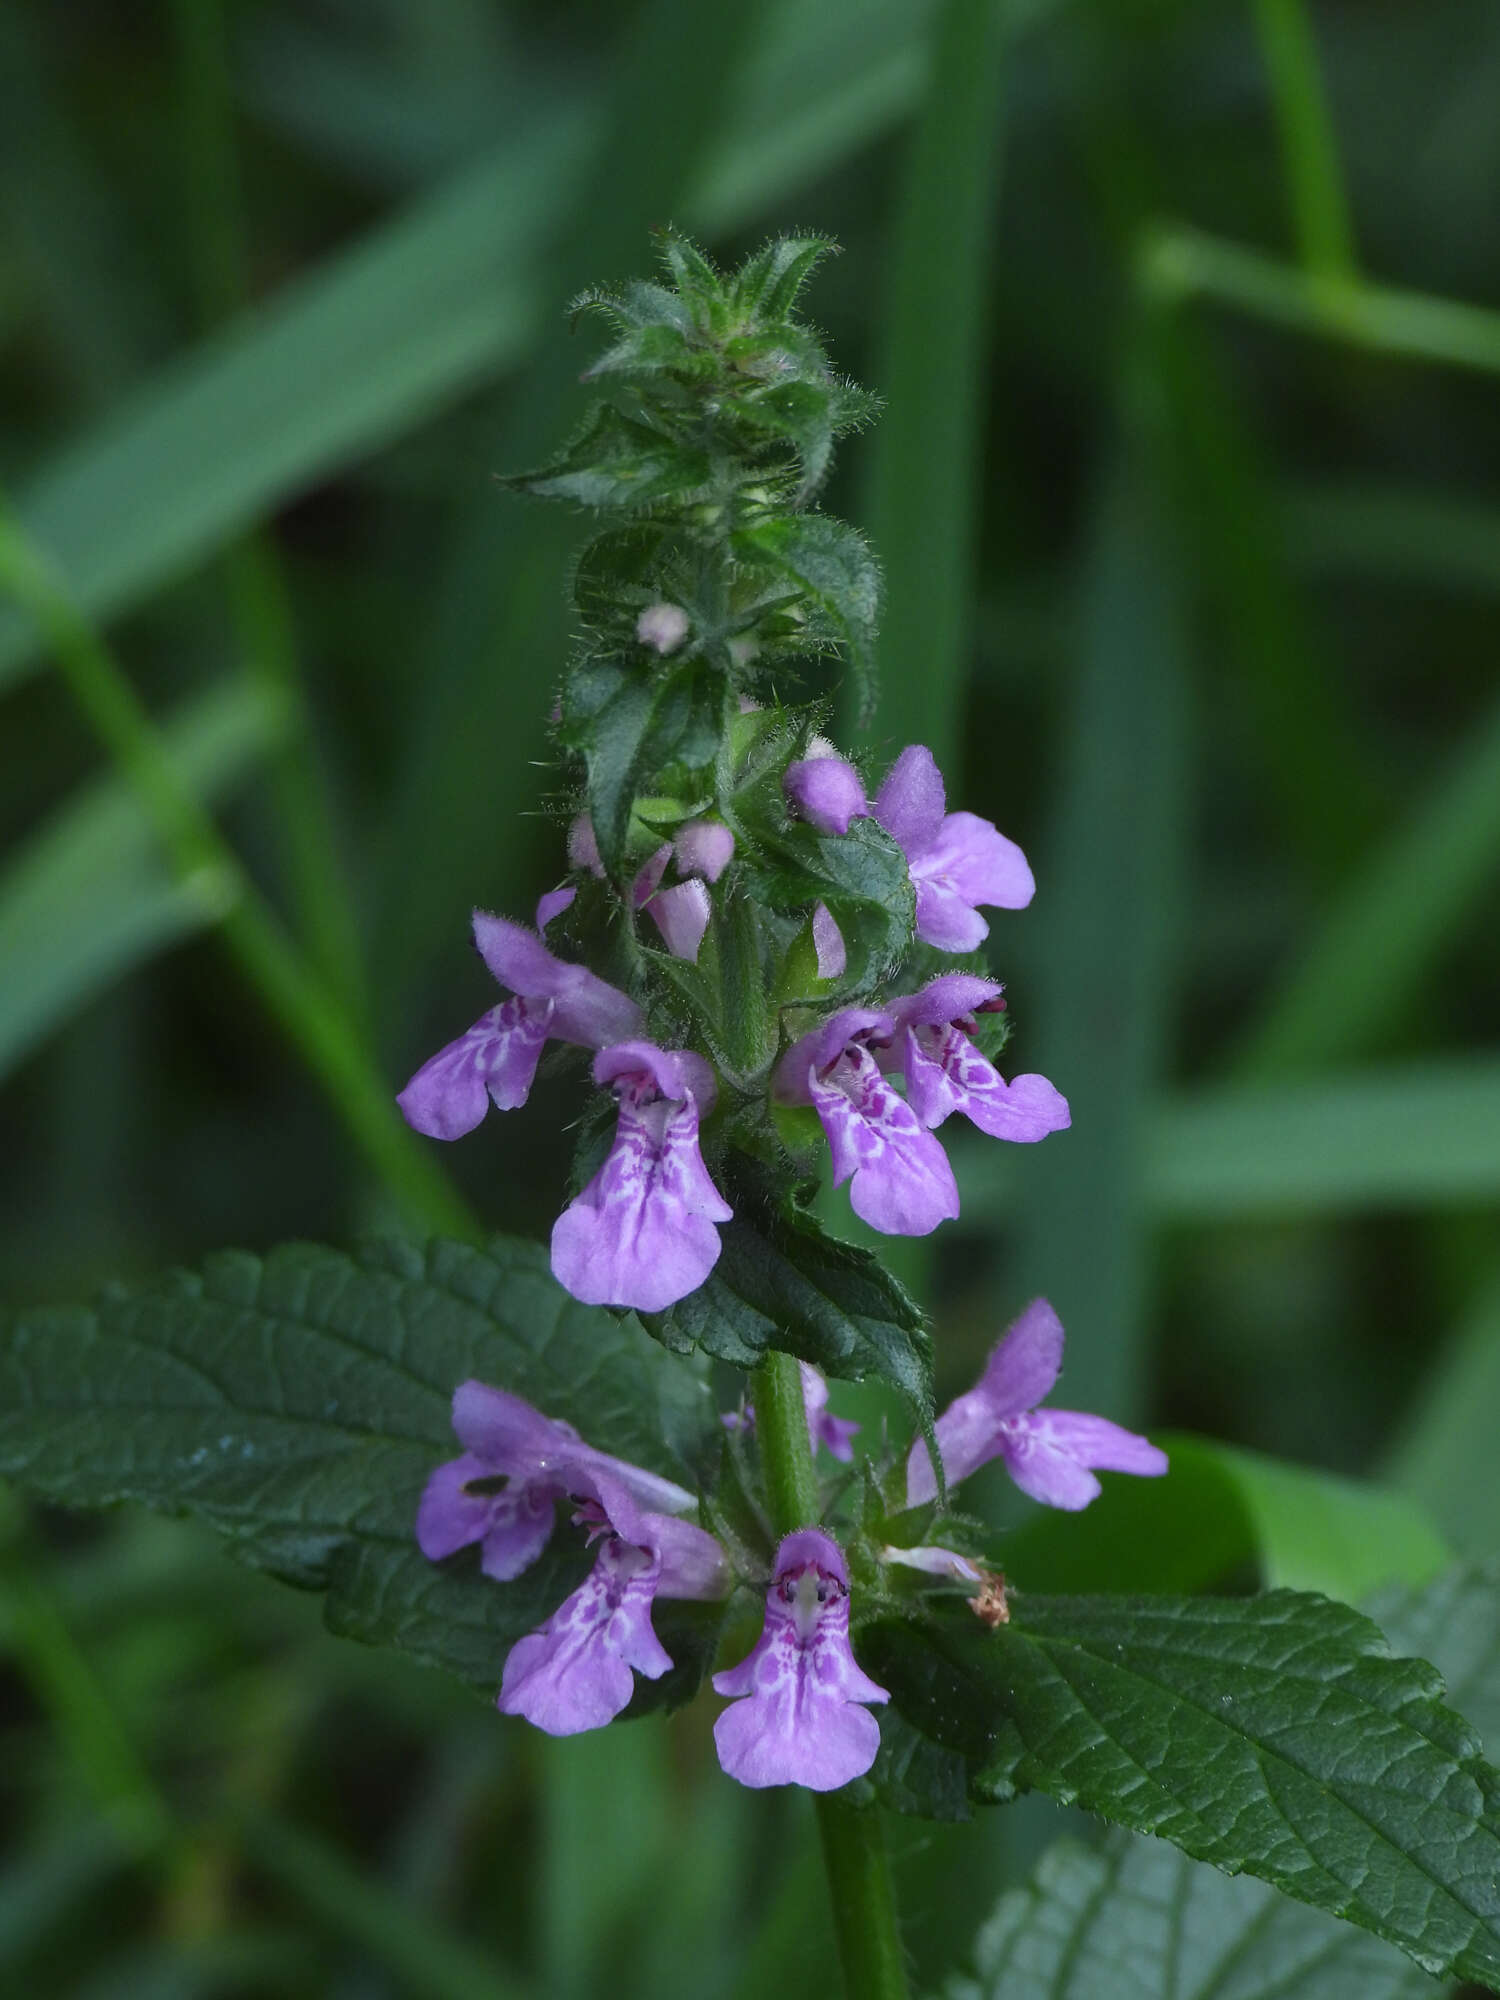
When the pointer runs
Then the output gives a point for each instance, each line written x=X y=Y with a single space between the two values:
x=781 y=1283
x=768 y=283
x=299 y=1402
x=645 y=723
x=1196 y=1934
x=613 y=462
x=1273 y=1736
x=912 y=1774
x=1139 y=1921
x=831 y=565
x=862 y=876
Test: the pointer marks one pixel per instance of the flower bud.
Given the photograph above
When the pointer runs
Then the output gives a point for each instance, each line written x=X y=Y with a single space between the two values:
x=825 y=791
x=704 y=847
x=662 y=627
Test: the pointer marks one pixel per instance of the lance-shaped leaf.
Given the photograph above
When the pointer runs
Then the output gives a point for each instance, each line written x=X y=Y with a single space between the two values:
x=1197 y=1934
x=1274 y=1736
x=299 y=1402
x=616 y=462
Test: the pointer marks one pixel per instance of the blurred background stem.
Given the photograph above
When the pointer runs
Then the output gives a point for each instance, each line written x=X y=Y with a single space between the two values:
x=204 y=862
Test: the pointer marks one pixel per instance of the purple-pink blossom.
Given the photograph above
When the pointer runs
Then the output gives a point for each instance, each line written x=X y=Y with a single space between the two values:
x=642 y=1233
x=828 y=943
x=834 y=1434
x=826 y=791
x=495 y=1061
x=944 y=1072
x=799 y=1717
x=576 y=1671
x=1052 y=1455
x=957 y=860
x=515 y=1464
x=901 y=1182
x=703 y=847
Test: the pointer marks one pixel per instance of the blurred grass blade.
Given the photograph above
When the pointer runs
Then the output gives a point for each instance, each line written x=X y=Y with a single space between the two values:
x=1446 y=1459
x=1374 y=953
x=1315 y=1531
x=446 y=295
x=923 y=505
x=1398 y=534
x=1320 y=209
x=1178 y=263
x=1419 y=1135
x=62 y=1882
x=1416 y=1136
x=425 y=1959
x=1221 y=1511
x=605 y=1794
x=90 y=897
x=1095 y=1015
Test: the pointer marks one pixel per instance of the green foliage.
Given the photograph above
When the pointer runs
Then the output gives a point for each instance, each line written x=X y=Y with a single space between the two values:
x=1273 y=1736
x=780 y=1282
x=1196 y=1932
x=299 y=1402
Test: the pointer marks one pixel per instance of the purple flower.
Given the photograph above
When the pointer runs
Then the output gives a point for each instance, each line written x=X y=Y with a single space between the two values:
x=828 y=943
x=575 y=1673
x=703 y=847
x=902 y=1183
x=496 y=1060
x=1050 y=1454
x=835 y=1434
x=957 y=860
x=515 y=1464
x=826 y=791
x=642 y=1232
x=681 y=914
x=945 y=1072
x=801 y=1723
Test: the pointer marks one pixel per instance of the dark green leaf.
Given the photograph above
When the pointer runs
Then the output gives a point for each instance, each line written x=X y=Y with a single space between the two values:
x=645 y=723
x=1196 y=1934
x=613 y=462
x=781 y=1283
x=1139 y=1921
x=1272 y=1735
x=831 y=564
x=912 y=1774
x=299 y=1402
x=862 y=876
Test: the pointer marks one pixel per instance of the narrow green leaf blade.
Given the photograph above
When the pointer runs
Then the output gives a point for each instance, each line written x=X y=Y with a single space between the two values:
x=89 y=897
x=1273 y=1736
x=299 y=1402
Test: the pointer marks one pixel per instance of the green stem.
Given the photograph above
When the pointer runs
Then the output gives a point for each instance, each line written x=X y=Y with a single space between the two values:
x=1320 y=209
x=205 y=863
x=854 y=1853
x=1178 y=263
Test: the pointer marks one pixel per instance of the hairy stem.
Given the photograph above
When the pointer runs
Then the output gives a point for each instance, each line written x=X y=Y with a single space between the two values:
x=854 y=1853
